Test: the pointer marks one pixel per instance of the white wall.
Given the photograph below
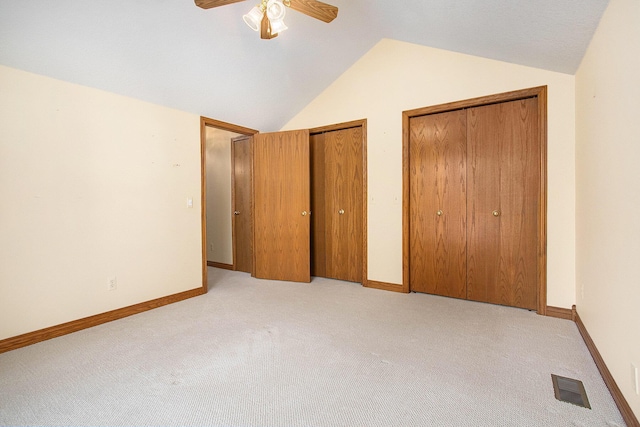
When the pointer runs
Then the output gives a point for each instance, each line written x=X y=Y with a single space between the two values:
x=92 y=186
x=219 y=209
x=608 y=192
x=396 y=76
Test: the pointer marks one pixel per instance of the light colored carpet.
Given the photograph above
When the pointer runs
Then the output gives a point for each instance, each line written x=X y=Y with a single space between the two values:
x=261 y=353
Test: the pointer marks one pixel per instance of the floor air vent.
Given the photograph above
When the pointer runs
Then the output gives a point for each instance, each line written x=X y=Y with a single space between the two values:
x=570 y=390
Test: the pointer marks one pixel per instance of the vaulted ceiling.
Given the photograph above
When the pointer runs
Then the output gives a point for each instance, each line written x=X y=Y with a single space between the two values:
x=208 y=62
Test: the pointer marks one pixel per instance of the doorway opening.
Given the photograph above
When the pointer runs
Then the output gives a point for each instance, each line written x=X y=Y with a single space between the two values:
x=217 y=214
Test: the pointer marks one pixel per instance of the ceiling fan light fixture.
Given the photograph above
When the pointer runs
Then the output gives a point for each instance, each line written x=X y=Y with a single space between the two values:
x=267 y=17
x=275 y=12
x=254 y=18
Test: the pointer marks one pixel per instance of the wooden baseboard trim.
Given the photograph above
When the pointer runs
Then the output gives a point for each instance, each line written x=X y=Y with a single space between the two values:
x=384 y=286
x=560 y=313
x=623 y=406
x=29 y=338
x=220 y=265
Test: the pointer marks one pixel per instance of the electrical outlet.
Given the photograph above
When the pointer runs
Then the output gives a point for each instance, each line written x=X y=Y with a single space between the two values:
x=112 y=284
x=211 y=246
x=634 y=378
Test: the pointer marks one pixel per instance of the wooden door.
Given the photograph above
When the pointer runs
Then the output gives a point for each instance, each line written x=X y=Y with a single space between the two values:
x=343 y=204
x=437 y=204
x=503 y=196
x=318 y=233
x=281 y=206
x=242 y=231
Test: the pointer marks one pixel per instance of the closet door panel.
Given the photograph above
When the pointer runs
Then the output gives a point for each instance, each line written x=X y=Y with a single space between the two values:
x=352 y=218
x=504 y=166
x=438 y=210
x=484 y=197
x=520 y=194
x=318 y=239
x=343 y=203
x=281 y=206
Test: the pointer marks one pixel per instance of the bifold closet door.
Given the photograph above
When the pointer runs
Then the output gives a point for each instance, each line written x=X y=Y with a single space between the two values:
x=337 y=191
x=281 y=206
x=242 y=231
x=503 y=203
x=343 y=204
x=318 y=222
x=437 y=204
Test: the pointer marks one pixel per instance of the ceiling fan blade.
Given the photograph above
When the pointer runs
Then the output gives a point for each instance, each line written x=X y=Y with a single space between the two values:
x=265 y=29
x=315 y=9
x=208 y=4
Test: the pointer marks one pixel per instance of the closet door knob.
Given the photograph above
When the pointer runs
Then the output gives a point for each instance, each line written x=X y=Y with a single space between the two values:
x=496 y=213
x=341 y=211
x=439 y=213
x=236 y=212
x=304 y=213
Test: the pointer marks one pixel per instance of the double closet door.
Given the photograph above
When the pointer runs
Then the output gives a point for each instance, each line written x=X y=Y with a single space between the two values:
x=474 y=203
x=337 y=188
x=308 y=205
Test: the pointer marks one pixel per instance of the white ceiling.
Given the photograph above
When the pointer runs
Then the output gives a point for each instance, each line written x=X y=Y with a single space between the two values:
x=208 y=62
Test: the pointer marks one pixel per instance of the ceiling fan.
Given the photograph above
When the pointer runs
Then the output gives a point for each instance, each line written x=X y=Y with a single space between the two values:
x=267 y=17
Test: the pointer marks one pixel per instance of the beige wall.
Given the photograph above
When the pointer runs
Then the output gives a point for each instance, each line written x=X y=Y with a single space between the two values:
x=219 y=217
x=92 y=186
x=396 y=76
x=608 y=191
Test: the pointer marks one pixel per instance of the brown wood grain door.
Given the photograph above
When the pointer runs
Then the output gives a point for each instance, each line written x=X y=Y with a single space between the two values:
x=503 y=196
x=437 y=204
x=281 y=206
x=343 y=204
x=318 y=237
x=242 y=210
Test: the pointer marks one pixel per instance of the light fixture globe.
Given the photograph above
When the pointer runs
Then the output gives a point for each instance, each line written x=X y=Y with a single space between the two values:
x=254 y=18
x=275 y=10
x=278 y=26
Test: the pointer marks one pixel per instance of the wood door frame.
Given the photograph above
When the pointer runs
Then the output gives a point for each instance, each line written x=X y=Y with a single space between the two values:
x=362 y=123
x=540 y=93
x=204 y=123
